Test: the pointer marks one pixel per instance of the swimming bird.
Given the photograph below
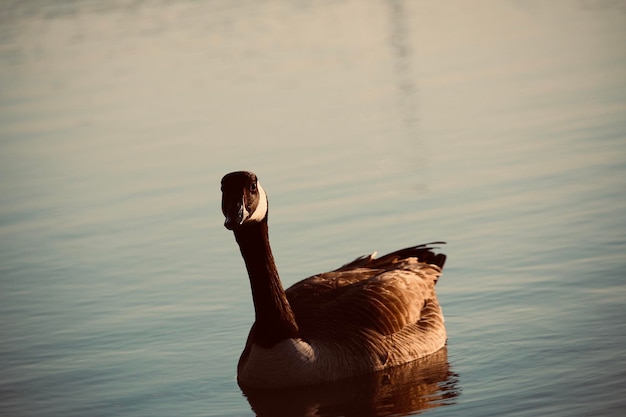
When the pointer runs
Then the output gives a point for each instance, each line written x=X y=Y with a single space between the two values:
x=367 y=315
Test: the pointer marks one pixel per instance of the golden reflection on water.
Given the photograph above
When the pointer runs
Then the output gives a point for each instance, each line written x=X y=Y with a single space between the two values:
x=403 y=390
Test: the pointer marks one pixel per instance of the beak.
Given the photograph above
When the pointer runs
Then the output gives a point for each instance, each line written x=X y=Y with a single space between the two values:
x=235 y=216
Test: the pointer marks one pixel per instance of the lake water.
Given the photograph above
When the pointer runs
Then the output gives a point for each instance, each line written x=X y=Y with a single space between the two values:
x=497 y=126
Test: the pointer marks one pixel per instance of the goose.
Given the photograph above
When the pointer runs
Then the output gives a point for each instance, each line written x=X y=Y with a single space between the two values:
x=365 y=316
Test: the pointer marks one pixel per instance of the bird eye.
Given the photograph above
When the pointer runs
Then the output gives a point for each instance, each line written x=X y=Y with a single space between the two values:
x=253 y=187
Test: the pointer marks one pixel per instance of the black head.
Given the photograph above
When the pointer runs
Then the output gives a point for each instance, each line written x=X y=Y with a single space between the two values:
x=243 y=200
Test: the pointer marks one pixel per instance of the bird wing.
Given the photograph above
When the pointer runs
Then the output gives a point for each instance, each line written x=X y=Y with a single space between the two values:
x=383 y=295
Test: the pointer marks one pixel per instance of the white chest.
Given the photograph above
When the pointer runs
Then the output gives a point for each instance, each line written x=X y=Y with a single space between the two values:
x=290 y=362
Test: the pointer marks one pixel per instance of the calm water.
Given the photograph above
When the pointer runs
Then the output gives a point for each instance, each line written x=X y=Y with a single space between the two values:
x=497 y=126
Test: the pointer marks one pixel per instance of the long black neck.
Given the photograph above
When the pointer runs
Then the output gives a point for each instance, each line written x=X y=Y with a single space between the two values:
x=275 y=320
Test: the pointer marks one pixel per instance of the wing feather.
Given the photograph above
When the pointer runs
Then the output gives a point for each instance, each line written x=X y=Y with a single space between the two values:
x=384 y=296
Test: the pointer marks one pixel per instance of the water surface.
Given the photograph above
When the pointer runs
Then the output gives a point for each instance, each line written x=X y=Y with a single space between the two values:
x=498 y=126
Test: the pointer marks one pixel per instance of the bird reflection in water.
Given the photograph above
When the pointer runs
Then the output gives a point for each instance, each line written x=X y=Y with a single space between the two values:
x=403 y=390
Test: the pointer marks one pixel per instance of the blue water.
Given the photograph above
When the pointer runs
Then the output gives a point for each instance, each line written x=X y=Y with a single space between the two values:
x=499 y=127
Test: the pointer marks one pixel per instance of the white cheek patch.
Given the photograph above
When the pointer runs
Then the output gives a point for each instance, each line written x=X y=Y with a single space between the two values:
x=245 y=213
x=261 y=209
